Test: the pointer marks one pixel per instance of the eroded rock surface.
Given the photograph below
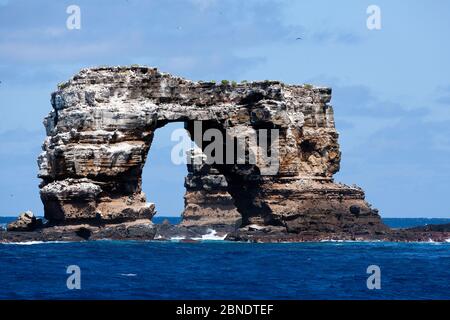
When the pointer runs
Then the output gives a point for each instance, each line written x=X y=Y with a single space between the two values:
x=207 y=200
x=101 y=129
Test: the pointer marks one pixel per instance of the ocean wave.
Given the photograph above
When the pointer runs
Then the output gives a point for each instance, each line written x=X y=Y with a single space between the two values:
x=429 y=242
x=349 y=241
x=30 y=243
x=212 y=235
x=178 y=238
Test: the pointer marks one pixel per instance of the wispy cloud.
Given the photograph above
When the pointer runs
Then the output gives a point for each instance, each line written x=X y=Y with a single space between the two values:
x=443 y=95
x=203 y=4
x=336 y=37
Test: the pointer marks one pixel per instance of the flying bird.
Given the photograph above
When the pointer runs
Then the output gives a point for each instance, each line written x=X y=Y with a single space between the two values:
x=298 y=38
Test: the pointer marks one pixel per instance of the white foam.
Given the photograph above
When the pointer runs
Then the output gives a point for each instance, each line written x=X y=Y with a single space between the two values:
x=212 y=235
x=345 y=241
x=29 y=243
x=128 y=274
x=177 y=238
x=256 y=227
x=350 y=241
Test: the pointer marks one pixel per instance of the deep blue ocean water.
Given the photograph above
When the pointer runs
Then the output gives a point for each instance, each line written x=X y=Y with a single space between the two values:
x=225 y=270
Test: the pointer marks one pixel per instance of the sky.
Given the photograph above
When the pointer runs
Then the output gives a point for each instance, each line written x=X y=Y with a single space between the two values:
x=391 y=87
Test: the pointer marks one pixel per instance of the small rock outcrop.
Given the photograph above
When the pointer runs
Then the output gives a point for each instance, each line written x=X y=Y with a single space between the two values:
x=101 y=129
x=25 y=222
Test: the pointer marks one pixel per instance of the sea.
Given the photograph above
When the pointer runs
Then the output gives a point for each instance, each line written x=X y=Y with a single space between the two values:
x=218 y=269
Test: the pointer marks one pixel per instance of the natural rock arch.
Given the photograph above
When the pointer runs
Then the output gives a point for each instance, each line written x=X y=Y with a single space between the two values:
x=102 y=125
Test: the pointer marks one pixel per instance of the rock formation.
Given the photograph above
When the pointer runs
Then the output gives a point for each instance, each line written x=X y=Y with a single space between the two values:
x=207 y=200
x=101 y=129
x=25 y=222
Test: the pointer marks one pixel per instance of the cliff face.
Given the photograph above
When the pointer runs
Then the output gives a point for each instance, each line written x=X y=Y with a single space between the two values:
x=101 y=129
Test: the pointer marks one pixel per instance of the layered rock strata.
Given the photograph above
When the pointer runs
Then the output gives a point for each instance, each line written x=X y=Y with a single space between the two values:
x=207 y=200
x=101 y=129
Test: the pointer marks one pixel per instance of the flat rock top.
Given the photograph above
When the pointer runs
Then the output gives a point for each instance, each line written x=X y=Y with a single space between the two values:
x=148 y=82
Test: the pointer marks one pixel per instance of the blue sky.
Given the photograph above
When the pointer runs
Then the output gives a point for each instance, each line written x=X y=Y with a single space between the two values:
x=391 y=87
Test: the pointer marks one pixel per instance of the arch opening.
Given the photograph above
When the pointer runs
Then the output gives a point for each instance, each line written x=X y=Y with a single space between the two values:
x=190 y=189
x=162 y=179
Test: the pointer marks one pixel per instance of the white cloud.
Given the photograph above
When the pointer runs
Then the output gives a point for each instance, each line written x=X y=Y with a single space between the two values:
x=25 y=51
